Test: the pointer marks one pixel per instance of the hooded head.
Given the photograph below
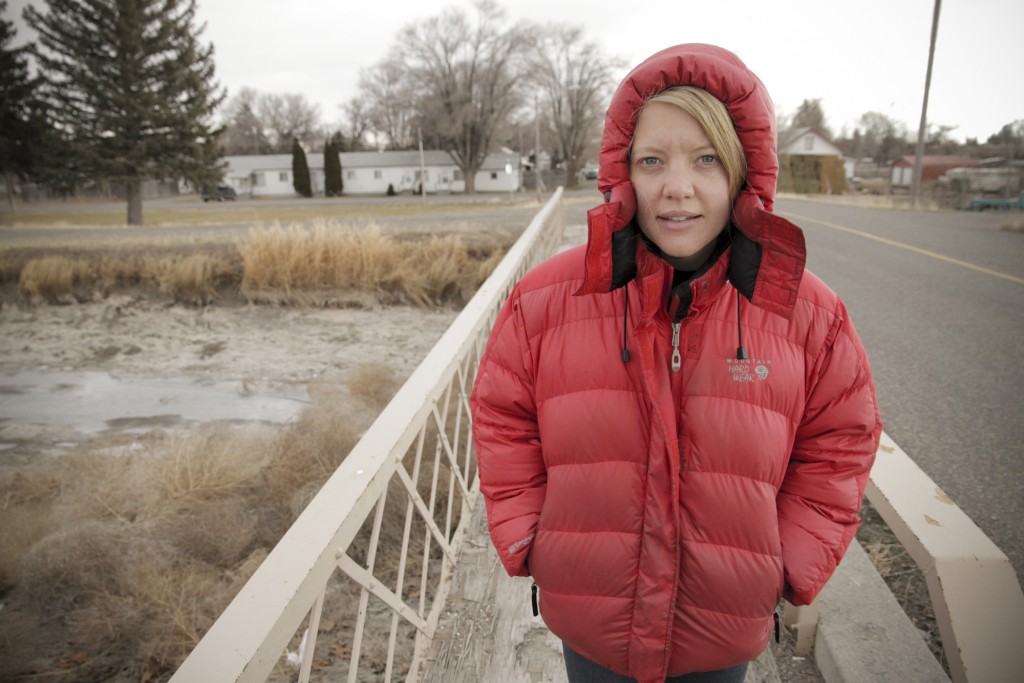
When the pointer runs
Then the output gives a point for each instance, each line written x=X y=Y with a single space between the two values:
x=768 y=255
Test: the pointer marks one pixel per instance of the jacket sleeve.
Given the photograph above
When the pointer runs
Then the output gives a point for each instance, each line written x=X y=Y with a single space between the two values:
x=833 y=451
x=513 y=478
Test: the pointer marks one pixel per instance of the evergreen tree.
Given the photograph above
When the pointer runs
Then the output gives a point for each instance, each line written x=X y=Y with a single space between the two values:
x=300 y=171
x=20 y=122
x=333 y=184
x=131 y=89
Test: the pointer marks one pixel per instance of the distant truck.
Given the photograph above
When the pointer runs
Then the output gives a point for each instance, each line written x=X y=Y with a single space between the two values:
x=219 y=193
x=983 y=203
x=979 y=188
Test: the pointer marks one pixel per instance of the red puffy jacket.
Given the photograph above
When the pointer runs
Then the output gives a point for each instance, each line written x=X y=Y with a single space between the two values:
x=663 y=512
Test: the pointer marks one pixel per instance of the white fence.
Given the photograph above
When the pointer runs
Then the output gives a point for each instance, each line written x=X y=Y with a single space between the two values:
x=356 y=586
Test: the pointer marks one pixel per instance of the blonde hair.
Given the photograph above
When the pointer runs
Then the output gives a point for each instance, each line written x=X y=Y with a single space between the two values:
x=714 y=118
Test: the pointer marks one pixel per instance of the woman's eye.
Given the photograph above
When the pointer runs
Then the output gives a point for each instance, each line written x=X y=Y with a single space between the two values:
x=647 y=161
x=708 y=159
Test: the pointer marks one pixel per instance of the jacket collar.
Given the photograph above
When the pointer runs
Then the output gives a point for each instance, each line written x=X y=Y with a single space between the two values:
x=655 y=282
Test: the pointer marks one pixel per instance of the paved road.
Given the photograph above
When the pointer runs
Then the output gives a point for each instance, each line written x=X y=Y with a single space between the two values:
x=940 y=308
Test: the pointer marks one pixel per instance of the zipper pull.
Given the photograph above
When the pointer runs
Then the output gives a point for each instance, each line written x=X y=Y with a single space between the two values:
x=677 y=359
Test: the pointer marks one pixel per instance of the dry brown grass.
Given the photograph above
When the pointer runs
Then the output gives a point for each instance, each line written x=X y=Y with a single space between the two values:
x=1014 y=226
x=374 y=384
x=328 y=265
x=54 y=279
x=114 y=561
x=331 y=262
x=193 y=279
x=189 y=278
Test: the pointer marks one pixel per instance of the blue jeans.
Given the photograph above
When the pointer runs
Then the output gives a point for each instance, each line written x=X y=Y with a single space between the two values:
x=582 y=670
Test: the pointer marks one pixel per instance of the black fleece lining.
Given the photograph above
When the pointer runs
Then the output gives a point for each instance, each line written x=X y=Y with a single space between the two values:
x=744 y=263
x=624 y=254
x=681 y=290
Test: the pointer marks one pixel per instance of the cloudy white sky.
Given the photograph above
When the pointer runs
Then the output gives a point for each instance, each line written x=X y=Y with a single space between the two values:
x=857 y=56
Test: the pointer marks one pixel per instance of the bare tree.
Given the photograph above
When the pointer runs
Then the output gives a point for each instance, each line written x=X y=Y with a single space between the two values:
x=1012 y=137
x=355 y=126
x=287 y=117
x=575 y=77
x=466 y=73
x=883 y=138
x=390 y=98
x=267 y=123
x=244 y=132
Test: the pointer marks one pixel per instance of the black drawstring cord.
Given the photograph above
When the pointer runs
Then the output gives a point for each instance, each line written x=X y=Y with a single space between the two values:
x=741 y=353
x=625 y=320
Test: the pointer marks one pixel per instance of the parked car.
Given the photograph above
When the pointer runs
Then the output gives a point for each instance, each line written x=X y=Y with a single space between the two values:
x=219 y=194
x=589 y=173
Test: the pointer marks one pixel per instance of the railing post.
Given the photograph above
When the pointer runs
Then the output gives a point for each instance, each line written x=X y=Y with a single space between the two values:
x=803 y=620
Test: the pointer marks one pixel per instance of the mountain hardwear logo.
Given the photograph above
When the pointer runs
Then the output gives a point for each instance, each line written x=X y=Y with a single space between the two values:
x=747 y=370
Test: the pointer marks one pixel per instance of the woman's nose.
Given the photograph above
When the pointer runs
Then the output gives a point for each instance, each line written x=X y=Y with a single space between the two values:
x=678 y=182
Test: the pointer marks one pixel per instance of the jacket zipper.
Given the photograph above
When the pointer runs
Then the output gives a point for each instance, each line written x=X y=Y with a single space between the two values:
x=676 y=382
x=677 y=359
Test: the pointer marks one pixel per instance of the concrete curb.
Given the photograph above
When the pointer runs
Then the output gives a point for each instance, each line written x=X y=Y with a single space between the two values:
x=863 y=634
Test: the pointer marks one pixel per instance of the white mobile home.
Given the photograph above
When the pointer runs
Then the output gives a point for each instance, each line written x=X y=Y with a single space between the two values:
x=368 y=173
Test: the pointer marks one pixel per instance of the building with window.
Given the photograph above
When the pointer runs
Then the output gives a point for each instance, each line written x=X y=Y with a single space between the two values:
x=372 y=173
x=932 y=168
x=809 y=163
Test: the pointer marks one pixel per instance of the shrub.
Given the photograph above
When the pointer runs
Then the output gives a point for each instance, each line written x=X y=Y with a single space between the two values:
x=53 y=279
x=338 y=264
x=192 y=279
x=374 y=384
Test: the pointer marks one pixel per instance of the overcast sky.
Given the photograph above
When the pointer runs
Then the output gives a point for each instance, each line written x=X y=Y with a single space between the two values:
x=870 y=55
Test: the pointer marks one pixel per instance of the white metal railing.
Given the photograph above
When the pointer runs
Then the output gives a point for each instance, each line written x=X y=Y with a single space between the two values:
x=415 y=470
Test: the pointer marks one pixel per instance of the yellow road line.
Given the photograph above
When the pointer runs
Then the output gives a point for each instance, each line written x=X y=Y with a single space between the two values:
x=908 y=247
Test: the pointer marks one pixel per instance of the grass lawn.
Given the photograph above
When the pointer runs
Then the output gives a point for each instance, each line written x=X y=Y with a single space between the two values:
x=192 y=211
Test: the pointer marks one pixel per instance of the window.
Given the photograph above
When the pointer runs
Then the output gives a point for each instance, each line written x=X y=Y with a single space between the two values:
x=494 y=175
x=808 y=142
x=259 y=180
x=458 y=174
x=283 y=176
x=426 y=174
x=350 y=175
x=377 y=175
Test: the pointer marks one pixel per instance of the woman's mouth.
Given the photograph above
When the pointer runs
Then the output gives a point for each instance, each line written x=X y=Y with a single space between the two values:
x=678 y=220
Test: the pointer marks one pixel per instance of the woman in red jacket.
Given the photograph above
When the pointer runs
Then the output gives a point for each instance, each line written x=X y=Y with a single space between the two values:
x=675 y=424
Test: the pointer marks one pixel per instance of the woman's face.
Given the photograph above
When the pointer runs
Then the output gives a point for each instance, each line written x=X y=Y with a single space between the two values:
x=682 y=189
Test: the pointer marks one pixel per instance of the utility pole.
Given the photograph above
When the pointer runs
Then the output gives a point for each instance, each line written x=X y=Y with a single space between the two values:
x=423 y=167
x=536 y=149
x=923 y=128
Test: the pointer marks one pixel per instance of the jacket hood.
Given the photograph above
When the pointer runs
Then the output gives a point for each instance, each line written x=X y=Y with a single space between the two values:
x=768 y=254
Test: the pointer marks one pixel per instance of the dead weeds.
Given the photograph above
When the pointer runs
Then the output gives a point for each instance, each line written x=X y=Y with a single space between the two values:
x=115 y=564
x=329 y=264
